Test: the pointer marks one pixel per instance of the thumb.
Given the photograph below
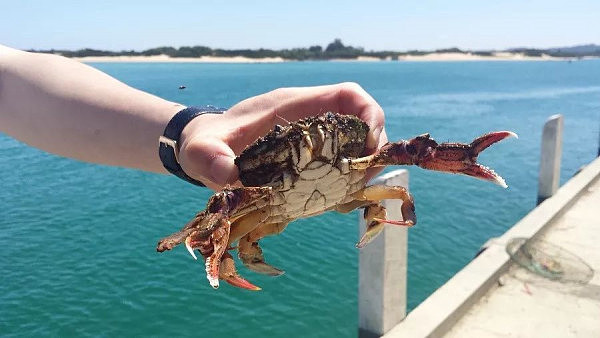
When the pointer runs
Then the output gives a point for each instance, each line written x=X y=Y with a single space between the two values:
x=209 y=158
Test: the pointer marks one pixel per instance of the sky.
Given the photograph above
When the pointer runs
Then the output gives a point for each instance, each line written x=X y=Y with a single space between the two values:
x=374 y=25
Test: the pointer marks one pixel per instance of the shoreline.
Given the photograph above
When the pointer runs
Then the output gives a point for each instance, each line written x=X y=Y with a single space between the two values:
x=431 y=57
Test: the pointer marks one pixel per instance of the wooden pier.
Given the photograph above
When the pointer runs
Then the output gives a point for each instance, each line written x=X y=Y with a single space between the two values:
x=493 y=296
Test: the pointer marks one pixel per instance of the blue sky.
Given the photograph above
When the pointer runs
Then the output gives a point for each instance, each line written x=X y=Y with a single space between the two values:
x=374 y=25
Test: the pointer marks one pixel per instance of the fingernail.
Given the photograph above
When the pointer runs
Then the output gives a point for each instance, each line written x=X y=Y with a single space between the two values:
x=221 y=169
x=374 y=141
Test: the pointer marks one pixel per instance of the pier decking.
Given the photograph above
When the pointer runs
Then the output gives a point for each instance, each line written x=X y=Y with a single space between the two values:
x=524 y=305
x=494 y=297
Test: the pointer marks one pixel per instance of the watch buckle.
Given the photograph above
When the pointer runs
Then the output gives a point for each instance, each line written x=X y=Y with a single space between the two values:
x=170 y=143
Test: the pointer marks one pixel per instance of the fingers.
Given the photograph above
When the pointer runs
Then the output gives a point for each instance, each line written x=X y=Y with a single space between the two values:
x=262 y=112
x=353 y=99
x=350 y=98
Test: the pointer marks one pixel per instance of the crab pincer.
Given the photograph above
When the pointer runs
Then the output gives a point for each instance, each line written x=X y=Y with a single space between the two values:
x=425 y=152
x=211 y=233
x=219 y=264
x=462 y=158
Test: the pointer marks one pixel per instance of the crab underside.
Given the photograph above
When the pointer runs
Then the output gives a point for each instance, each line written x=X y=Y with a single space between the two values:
x=306 y=168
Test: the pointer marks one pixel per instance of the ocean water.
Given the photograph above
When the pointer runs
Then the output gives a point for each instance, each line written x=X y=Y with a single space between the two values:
x=78 y=240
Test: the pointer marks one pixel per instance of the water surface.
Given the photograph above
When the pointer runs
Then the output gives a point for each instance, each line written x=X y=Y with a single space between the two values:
x=79 y=239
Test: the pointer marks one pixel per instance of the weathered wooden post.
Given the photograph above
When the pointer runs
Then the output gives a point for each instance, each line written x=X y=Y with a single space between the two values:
x=550 y=157
x=382 y=269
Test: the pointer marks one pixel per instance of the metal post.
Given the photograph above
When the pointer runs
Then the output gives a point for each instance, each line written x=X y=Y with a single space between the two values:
x=550 y=157
x=382 y=269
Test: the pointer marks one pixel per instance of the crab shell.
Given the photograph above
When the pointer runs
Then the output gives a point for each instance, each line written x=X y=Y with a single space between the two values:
x=306 y=163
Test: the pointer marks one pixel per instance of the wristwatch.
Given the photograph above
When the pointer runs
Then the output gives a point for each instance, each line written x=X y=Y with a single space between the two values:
x=168 y=143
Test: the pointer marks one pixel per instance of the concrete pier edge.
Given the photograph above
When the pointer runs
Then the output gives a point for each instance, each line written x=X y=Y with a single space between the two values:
x=440 y=311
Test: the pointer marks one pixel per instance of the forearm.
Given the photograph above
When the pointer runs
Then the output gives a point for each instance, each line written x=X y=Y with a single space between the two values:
x=71 y=109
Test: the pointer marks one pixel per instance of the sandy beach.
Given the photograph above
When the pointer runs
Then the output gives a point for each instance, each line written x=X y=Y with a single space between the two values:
x=500 y=56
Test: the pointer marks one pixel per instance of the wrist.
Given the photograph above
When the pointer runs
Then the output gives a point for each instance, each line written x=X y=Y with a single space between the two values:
x=175 y=138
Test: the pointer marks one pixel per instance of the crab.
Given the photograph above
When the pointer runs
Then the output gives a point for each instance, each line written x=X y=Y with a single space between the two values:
x=303 y=169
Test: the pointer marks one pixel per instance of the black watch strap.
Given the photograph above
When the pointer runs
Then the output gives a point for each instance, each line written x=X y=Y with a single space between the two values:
x=168 y=143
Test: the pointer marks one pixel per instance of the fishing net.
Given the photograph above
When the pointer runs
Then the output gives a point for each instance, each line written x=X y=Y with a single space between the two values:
x=549 y=261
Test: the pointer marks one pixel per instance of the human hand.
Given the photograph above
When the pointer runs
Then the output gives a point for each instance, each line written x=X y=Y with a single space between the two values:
x=210 y=143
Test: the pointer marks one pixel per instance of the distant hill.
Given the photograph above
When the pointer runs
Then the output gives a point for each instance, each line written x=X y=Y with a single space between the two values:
x=334 y=50
x=574 y=51
x=582 y=50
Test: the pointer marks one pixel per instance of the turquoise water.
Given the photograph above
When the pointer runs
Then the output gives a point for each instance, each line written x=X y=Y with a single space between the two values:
x=78 y=240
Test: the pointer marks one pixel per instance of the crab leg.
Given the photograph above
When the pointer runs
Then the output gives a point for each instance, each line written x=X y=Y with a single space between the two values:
x=458 y=158
x=243 y=225
x=177 y=238
x=375 y=214
x=228 y=273
x=251 y=254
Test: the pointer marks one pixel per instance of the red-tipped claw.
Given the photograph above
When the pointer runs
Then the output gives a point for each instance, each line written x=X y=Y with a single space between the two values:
x=458 y=158
x=212 y=248
x=228 y=273
x=240 y=282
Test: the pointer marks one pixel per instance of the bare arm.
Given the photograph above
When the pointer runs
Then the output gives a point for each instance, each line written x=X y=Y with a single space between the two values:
x=71 y=109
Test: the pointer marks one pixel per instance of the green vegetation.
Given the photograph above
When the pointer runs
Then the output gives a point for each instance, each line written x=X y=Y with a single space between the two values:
x=576 y=51
x=334 y=50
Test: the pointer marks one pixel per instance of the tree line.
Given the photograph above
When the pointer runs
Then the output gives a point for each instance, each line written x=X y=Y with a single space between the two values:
x=334 y=50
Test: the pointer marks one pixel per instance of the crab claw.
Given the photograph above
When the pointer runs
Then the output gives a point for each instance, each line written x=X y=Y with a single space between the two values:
x=228 y=273
x=460 y=158
x=188 y=246
x=375 y=215
x=218 y=245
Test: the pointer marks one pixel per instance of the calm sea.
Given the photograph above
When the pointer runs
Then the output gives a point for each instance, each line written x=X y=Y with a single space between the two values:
x=78 y=240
